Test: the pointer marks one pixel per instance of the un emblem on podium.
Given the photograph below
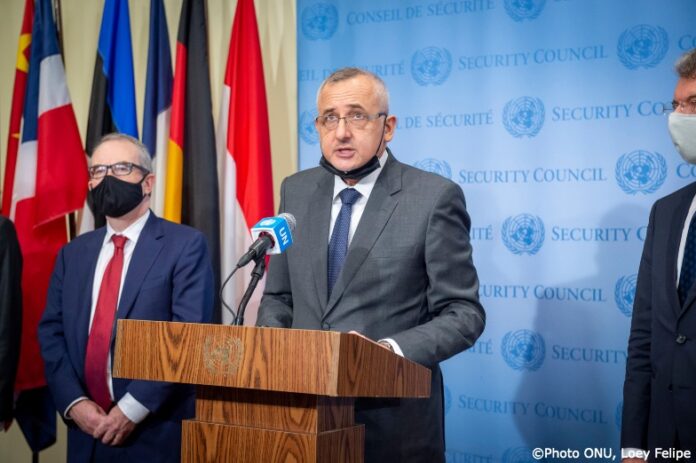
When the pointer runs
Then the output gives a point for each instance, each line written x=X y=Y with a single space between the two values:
x=519 y=10
x=524 y=116
x=642 y=46
x=435 y=166
x=625 y=293
x=308 y=132
x=518 y=455
x=523 y=234
x=222 y=357
x=431 y=66
x=523 y=350
x=319 y=21
x=640 y=171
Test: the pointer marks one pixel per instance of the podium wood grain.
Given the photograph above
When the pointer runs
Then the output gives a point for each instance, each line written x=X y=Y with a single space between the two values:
x=267 y=394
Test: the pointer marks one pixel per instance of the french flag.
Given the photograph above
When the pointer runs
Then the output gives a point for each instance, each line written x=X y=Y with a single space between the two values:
x=158 y=100
x=49 y=182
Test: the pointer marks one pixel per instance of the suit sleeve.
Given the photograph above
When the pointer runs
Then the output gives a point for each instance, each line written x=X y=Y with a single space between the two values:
x=276 y=305
x=636 y=405
x=456 y=316
x=192 y=301
x=10 y=314
x=63 y=381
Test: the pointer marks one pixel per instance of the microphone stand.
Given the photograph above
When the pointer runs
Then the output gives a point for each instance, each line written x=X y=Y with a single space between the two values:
x=256 y=275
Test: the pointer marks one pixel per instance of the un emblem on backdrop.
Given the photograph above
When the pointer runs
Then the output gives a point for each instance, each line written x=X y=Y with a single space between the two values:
x=642 y=46
x=523 y=350
x=431 y=65
x=319 y=21
x=641 y=171
x=625 y=293
x=524 y=116
x=308 y=132
x=435 y=166
x=519 y=10
x=518 y=455
x=523 y=234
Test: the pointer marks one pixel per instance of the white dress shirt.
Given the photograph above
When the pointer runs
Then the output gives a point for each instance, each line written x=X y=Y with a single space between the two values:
x=134 y=410
x=685 y=233
x=364 y=187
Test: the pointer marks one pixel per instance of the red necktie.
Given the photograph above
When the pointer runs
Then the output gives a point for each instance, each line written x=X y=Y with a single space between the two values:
x=99 y=342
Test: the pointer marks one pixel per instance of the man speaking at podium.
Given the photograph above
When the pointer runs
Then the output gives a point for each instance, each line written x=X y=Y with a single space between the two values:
x=139 y=267
x=381 y=248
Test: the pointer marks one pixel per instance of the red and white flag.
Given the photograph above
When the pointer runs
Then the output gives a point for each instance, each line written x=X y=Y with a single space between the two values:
x=244 y=143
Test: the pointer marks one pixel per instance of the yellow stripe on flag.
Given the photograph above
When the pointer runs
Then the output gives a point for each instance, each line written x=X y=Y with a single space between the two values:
x=173 y=187
x=24 y=43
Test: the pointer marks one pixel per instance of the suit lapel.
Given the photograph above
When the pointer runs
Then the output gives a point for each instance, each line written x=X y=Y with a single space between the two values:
x=146 y=251
x=88 y=265
x=378 y=210
x=318 y=234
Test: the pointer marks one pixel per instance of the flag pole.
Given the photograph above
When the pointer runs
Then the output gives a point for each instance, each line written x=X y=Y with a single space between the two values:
x=71 y=223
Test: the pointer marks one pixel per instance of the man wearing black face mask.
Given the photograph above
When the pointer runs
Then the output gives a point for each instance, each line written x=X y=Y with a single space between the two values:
x=380 y=248
x=138 y=266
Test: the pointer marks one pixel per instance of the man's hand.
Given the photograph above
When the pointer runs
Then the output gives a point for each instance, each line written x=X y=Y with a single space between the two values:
x=115 y=428
x=87 y=415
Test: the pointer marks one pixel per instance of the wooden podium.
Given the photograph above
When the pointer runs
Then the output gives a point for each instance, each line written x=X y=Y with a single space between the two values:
x=267 y=394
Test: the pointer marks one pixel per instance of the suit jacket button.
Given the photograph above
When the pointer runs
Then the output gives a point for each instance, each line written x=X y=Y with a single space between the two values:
x=325 y=326
x=681 y=339
x=669 y=388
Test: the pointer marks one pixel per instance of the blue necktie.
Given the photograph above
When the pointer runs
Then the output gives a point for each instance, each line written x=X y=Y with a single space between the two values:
x=688 y=268
x=338 y=245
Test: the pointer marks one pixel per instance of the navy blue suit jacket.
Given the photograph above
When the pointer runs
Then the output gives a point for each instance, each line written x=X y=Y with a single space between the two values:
x=660 y=385
x=169 y=279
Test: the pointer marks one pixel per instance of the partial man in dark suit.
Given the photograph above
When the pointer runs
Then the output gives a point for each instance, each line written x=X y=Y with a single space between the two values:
x=137 y=267
x=659 y=407
x=10 y=316
x=381 y=248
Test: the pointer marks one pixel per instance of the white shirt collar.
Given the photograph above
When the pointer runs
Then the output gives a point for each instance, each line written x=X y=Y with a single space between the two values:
x=132 y=232
x=365 y=184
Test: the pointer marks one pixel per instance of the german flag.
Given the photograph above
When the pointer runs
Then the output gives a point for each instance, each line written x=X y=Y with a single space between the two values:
x=191 y=192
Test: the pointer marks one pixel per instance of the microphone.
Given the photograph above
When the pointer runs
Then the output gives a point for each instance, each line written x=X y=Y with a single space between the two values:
x=272 y=235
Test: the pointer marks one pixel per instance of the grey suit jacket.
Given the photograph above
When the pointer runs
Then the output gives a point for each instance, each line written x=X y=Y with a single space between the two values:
x=408 y=276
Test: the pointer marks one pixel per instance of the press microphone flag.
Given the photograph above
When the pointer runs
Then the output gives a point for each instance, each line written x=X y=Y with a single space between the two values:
x=272 y=235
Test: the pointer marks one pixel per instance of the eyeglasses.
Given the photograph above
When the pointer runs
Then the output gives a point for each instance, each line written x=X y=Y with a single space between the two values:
x=356 y=120
x=687 y=107
x=119 y=169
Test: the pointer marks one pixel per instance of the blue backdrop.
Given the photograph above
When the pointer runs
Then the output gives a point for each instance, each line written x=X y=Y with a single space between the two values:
x=548 y=113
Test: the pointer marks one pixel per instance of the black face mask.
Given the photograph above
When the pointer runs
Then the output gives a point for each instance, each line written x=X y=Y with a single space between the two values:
x=114 y=197
x=355 y=174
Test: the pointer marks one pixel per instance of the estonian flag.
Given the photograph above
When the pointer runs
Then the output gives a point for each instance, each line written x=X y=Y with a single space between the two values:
x=112 y=104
